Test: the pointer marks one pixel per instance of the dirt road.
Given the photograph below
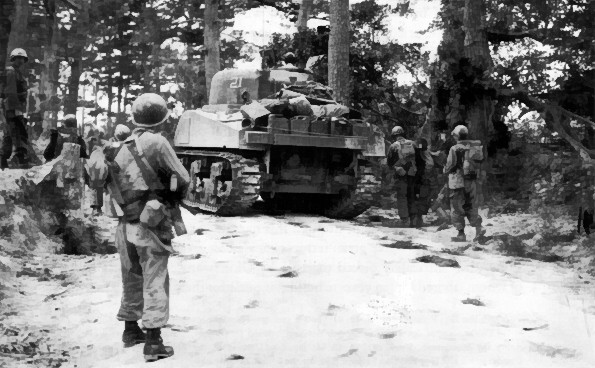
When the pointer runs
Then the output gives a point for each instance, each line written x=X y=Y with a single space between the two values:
x=300 y=291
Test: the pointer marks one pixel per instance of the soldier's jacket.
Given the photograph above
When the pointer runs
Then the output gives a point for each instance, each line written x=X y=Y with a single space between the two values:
x=128 y=180
x=392 y=159
x=454 y=167
x=15 y=90
x=128 y=187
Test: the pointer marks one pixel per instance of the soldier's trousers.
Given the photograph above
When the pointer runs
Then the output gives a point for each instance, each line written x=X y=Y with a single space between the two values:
x=15 y=134
x=405 y=188
x=145 y=279
x=463 y=205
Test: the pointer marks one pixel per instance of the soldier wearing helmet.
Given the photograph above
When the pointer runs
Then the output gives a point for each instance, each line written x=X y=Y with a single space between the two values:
x=121 y=133
x=15 y=105
x=140 y=187
x=402 y=157
x=463 y=166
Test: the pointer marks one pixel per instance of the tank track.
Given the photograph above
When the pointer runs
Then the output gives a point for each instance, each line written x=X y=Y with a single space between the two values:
x=237 y=196
x=365 y=195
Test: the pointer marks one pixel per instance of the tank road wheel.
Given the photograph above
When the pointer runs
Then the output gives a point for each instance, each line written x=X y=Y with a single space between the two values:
x=223 y=183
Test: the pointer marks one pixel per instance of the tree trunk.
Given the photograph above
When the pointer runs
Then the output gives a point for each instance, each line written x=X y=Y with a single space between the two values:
x=76 y=53
x=304 y=14
x=50 y=74
x=303 y=50
x=338 y=51
x=110 y=98
x=212 y=40
x=480 y=110
x=7 y=8
x=18 y=30
x=477 y=51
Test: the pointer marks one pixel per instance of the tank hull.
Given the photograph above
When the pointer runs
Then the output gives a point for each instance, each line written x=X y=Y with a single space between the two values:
x=238 y=151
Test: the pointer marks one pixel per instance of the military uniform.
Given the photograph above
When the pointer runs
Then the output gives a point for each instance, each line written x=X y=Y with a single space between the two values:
x=404 y=181
x=144 y=251
x=15 y=93
x=462 y=192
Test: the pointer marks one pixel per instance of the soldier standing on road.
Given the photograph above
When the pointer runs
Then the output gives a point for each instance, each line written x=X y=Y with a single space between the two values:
x=424 y=179
x=141 y=168
x=121 y=133
x=401 y=156
x=462 y=167
x=15 y=105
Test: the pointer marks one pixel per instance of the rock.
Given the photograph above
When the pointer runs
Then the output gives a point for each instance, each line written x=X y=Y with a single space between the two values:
x=438 y=261
x=200 y=231
x=475 y=302
x=350 y=352
x=290 y=274
x=404 y=244
x=235 y=357
x=252 y=304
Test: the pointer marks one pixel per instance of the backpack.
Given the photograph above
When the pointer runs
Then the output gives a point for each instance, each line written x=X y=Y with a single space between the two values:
x=472 y=159
x=406 y=149
x=97 y=169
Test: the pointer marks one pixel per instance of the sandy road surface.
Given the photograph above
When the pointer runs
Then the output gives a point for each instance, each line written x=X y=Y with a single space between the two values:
x=347 y=301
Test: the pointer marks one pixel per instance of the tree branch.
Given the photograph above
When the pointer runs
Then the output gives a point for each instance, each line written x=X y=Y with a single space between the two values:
x=495 y=36
x=557 y=113
x=71 y=5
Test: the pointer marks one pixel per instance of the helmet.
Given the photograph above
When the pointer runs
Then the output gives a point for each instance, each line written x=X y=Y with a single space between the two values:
x=149 y=110
x=69 y=121
x=397 y=130
x=460 y=129
x=122 y=132
x=19 y=53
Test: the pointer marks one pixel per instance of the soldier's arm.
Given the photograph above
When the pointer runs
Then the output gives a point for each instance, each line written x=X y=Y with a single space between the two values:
x=451 y=161
x=10 y=90
x=171 y=163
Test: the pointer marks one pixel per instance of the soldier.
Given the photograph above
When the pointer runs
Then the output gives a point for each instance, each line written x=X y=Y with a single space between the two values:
x=141 y=168
x=15 y=105
x=401 y=156
x=424 y=180
x=463 y=166
x=67 y=134
x=121 y=133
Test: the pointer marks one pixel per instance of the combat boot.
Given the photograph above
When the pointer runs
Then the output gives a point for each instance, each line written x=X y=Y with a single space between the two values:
x=154 y=348
x=479 y=233
x=3 y=163
x=419 y=221
x=460 y=237
x=132 y=334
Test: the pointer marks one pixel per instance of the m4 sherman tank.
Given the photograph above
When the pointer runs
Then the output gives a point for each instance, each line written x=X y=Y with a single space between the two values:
x=279 y=135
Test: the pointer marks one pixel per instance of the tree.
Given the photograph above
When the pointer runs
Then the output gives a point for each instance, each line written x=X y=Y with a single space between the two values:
x=212 y=40
x=338 y=51
x=302 y=26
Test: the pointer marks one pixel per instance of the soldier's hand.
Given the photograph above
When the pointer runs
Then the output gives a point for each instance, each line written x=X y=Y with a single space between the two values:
x=400 y=171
